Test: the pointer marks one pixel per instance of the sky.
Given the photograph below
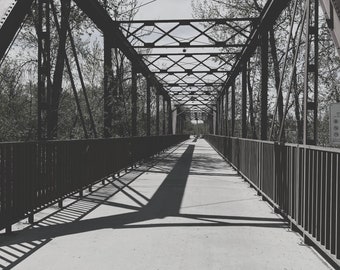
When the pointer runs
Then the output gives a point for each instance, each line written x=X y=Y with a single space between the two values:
x=4 y=6
x=159 y=9
x=165 y=9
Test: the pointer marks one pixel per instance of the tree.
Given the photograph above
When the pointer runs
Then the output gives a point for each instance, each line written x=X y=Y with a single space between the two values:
x=328 y=62
x=19 y=74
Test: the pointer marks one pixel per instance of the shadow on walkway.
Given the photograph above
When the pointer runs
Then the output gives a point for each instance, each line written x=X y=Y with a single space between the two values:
x=165 y=202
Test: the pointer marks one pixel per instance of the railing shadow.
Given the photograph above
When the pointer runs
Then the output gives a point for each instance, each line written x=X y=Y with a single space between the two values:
x=166 y=202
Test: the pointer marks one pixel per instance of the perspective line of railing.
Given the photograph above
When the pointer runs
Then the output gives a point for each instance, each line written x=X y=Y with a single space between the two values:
x=301 y=182
x=36 y=174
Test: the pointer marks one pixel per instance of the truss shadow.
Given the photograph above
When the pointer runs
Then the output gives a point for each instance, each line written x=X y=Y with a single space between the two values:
x=166 y=202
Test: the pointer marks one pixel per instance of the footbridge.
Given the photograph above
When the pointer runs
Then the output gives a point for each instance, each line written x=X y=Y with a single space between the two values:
x=254 y=187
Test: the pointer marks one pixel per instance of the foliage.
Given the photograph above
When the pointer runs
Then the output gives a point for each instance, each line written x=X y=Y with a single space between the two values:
x=18 y=79
x=329 y=64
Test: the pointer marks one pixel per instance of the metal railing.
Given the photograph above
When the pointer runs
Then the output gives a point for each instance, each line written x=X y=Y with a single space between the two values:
x=36 y=174
x=301 y=182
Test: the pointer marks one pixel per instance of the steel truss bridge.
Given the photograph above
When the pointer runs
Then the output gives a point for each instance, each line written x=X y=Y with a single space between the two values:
x=194 y=73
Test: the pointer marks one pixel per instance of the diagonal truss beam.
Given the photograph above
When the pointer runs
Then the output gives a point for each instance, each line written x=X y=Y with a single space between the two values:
x=176 y=68
x=269 y=15
x=12 y=24
x=193 y=42
x=104 y=22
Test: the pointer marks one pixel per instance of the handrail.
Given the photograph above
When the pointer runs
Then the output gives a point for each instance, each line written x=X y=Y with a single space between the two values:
x=301 y=182
x=36 y=174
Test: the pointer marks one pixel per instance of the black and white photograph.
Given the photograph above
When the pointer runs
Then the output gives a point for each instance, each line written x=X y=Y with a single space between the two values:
x=169 y=134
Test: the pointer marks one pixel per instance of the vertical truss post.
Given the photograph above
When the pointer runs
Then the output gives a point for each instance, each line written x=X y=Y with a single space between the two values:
x=217 y=118
x=233 y=111
x=134 y=101
x=210 y=119
x=157 y=114
x=44 y=68
x=178 y=121
x=264 y=85
x=164 y=115
x=108 y=84
x=222 y=115
x=310 y=96
x=226 y=112
x=170 y=129
x=148 y=107
x=310 y=99
x=244 y=101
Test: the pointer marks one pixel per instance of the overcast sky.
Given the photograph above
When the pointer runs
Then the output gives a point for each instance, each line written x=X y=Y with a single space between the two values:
x=165 y=9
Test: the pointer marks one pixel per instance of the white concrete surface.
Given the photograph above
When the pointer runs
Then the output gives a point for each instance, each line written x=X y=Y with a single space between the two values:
x=188 y=211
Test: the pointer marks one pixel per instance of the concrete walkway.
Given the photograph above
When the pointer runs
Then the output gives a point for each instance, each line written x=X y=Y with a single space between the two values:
x=186 y=209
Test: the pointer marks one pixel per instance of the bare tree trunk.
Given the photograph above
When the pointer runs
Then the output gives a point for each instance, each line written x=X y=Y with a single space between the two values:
x=251 y=108
x=297 y=110
x=299 y=124
x=276 y=73
x=59 y=69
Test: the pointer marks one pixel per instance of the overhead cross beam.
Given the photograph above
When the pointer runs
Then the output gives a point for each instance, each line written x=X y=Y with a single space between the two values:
x=176 y=51
x=165 y=30
x=173 y=54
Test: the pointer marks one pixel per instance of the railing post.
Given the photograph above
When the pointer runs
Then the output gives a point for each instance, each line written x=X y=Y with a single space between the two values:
x=337 y=203
x=31 y=218
x=237 y=153
x=8 y=229
x=279 y=164
x=275 y=172
x=297 y=179
x=60 y=203
x=260 y=168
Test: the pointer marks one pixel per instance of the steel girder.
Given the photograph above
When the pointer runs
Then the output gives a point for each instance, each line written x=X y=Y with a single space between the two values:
x=268 y=16
x=10 y=26
x=166 y=30
x=190 y=61
x=110 y=28
x=232 y=52
x=44 y=69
